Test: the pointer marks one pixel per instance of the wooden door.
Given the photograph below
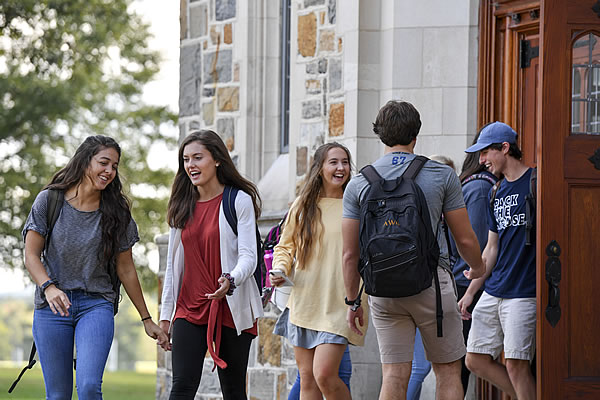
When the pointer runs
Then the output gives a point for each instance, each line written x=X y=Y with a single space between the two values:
x=568 y=241
x=509 y=79
x=509 y=68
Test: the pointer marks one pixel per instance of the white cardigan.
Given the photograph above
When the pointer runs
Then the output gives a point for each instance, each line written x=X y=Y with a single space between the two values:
x=238 y=257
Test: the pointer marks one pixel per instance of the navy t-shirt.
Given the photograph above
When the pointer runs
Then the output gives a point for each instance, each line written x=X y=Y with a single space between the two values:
x=514 y=273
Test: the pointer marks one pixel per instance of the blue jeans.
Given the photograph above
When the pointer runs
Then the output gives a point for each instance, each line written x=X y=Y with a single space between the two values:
x=90 y=326
x=345 y=372
x=420 y=369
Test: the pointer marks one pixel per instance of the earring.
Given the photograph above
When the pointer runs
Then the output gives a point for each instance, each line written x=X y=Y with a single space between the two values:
x=217 y=164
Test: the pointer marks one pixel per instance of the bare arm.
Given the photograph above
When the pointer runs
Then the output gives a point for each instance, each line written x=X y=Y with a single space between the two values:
x=56 y=298
x=490 y=254
x=129 y=279
x=350 y=257
x=466 y=240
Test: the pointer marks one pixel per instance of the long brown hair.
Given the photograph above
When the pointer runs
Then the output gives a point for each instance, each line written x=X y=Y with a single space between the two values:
x=114 y=205
x=307 y=213
x=184 y=195
x=471 y=164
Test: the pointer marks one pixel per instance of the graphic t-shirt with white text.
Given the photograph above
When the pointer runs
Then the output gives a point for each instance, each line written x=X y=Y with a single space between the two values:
x=514 y=273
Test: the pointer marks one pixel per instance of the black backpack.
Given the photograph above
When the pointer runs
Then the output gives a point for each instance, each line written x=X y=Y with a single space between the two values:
x=229 y=195
x=399 y=252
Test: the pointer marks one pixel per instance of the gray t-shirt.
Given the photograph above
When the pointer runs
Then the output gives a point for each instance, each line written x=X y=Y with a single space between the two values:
x=73 y=258
x=438 y=182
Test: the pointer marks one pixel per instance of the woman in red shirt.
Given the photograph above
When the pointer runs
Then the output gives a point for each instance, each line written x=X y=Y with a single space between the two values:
x=210 y=300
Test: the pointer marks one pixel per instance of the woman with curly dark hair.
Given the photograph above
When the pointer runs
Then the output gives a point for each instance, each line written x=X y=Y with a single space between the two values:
x=79 y=271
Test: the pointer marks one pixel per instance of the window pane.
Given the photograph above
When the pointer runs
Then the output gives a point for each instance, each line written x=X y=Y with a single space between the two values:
x=595 y=87
x=594 y=118
x=578 y=114
x=585 y=87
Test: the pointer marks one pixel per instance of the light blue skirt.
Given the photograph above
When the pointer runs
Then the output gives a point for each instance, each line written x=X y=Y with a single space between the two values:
x=304 y=337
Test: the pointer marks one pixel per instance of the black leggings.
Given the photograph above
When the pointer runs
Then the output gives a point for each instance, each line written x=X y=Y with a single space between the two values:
x=189 y=349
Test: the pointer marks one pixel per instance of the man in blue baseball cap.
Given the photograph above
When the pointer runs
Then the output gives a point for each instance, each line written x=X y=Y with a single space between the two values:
x=505 y=315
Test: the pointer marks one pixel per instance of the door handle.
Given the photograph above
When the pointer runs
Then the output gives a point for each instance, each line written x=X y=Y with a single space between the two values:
x=553 y=276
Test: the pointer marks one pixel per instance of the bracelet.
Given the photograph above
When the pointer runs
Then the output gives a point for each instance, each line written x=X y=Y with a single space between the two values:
x=231 y=283
x=145 y=318
x=45 y=285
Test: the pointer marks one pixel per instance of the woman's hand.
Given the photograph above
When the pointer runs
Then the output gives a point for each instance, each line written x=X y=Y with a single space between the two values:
x=221 y=291
x=57 y=300
x=155 y=332
x=276 y=280
x=164 y=325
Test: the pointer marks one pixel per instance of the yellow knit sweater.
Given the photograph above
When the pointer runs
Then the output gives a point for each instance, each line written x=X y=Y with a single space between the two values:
x=317 y=298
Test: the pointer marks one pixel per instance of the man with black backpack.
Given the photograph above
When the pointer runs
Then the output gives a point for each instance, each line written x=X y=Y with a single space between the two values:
x=391 y=231
x=505 y=316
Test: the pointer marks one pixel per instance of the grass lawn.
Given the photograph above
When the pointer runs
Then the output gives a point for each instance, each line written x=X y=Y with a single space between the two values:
x=121 y=385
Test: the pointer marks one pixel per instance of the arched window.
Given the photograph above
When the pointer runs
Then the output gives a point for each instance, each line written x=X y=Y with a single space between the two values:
x=585 y=89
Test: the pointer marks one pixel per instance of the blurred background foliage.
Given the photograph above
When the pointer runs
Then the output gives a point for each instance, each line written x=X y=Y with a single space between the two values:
x=69 y=69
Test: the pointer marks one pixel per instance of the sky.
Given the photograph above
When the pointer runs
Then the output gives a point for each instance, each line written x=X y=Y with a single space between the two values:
x=163 y=17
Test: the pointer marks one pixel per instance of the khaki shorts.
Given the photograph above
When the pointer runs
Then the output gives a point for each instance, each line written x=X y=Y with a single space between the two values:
x=507 y=324
x=395 y=320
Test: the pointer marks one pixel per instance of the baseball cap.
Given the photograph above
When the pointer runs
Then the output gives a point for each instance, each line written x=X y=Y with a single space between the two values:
x=497 y=132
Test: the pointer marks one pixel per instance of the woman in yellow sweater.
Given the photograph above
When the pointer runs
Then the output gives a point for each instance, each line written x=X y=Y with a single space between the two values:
x=311 y=248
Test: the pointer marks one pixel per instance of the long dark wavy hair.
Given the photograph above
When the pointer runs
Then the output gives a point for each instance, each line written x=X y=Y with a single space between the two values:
x=471 y=164
x=184 y=195
x=115 y=208
x=307 y=212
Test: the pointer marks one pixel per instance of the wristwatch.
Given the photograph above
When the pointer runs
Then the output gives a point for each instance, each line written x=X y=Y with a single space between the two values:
x=354 y=303
x=46 y=284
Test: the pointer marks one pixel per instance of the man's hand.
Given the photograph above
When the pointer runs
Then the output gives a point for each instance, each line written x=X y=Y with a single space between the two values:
x=463 y=304
x=472 y=273
x=351 y=318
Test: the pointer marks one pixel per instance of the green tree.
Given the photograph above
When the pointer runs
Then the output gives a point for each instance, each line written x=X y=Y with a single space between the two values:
x=69 y=69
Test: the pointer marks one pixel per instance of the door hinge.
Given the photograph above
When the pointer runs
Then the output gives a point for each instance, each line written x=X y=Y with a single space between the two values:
x=527 y=52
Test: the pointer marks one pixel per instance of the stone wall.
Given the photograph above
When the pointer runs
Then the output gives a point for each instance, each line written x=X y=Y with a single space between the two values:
x=209 y=78
x=317 y=106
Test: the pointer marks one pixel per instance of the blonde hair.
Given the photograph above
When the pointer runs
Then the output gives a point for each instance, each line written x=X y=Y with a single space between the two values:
x=307 y=215
x=443 y=160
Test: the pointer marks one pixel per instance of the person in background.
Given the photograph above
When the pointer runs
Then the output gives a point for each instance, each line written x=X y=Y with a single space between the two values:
x=90 y=247
x=476 y=182
x=443 y=160
x=210 y=299
x=311 y=249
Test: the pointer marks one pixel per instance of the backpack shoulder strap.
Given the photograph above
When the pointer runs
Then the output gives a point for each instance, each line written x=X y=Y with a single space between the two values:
x=530 y=206
x=415 y=166
x=371 y=174
x=229 y=195
x=53 y=207
x=494 y=191
x=533 y=184
x=474 y=177
x=28 y=366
